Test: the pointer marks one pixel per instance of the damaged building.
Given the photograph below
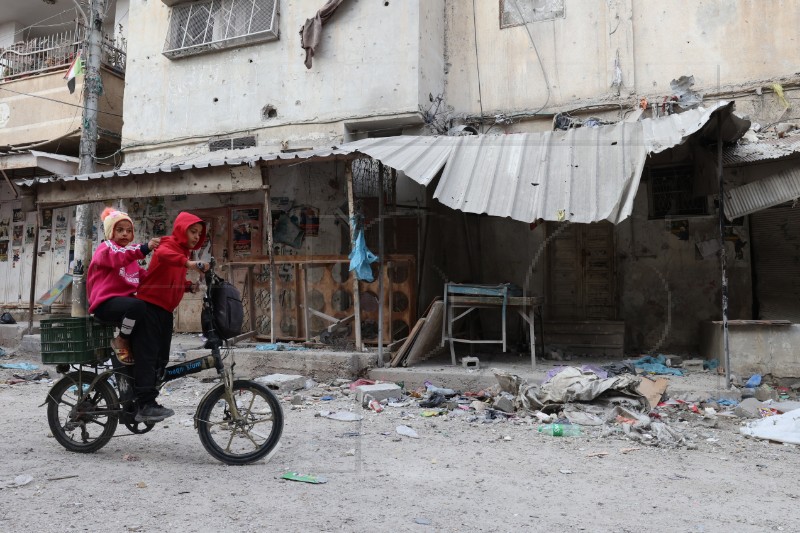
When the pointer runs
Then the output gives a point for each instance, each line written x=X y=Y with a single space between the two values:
x=560 y=160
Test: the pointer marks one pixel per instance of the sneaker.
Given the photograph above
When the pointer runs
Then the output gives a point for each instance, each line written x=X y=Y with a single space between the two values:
x=122 y=349
x=152 y=412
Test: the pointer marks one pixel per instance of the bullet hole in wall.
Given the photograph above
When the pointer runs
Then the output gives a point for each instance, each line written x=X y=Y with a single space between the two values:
x=269 y=111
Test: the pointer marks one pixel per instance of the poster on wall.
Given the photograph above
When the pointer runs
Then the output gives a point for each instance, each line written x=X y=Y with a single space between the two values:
x=61 y=220
x=45 y=240
x=243 y=222
x=29 y=235
x=158 y=227
x=18 y=216
x=60 y=240
x=4 y=229
x=16 y=235
x=156 y=207
x=136 y=210
x=309 y=220
x=47 y=218
x=3 y=250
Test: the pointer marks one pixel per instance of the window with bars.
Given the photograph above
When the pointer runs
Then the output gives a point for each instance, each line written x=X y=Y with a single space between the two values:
x=198 y=27
x=671 y=193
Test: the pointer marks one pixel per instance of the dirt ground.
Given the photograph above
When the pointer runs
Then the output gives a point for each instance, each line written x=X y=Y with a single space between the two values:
x=463 y=473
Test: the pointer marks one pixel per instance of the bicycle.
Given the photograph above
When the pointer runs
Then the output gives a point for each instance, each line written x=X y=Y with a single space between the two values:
x=238 y=421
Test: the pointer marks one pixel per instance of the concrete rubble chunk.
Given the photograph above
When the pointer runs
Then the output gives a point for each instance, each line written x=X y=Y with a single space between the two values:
x=693 y=365
x=748 y=408
x=765 y=392
x=504 y=402
x=283 y=382
x=379 y=391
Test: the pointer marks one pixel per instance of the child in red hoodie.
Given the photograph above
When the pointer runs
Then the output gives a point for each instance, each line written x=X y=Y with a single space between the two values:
x=113 y=277
x=162 y=291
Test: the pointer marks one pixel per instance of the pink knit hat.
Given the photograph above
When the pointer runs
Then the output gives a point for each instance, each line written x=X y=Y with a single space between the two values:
x=110 y=217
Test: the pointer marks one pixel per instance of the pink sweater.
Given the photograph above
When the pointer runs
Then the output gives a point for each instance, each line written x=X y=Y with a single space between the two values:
x=114 y=271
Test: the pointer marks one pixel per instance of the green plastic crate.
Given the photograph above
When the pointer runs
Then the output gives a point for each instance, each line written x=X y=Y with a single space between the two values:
x=74 y=340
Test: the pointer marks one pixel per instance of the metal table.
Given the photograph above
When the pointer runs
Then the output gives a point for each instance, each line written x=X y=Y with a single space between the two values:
x=472 y=297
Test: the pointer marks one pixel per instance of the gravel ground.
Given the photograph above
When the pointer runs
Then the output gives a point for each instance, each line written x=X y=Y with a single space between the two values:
x=461 y=474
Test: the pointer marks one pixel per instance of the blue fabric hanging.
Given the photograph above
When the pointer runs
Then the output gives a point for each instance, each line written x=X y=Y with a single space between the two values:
x=361 y=258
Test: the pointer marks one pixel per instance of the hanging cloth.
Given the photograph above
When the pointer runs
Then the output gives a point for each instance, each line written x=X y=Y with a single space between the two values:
x=361 y=259
x=311 y=31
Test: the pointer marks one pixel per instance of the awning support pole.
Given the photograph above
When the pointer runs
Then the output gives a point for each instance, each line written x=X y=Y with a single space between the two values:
x=267 y=223
x=723 y=256
x=351 y=206
x=381 y=298
x=34 y=268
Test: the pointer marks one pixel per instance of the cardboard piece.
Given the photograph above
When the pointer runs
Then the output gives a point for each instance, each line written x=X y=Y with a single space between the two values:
x=652 y=389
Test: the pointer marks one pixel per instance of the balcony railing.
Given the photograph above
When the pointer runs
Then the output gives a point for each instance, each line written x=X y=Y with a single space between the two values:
x=54 y=52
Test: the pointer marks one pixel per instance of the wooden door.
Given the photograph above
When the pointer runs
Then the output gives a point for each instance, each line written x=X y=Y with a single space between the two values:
x=581 y=280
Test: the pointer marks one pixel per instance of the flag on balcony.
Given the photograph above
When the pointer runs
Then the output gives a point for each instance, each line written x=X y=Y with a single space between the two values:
x=75 y=69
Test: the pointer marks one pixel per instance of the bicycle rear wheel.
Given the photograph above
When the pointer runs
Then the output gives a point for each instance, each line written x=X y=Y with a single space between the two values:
x=251 y=436
x=82 y=417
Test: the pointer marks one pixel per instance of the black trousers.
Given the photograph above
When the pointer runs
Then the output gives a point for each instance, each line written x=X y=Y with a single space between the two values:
x=151 y=351
x=124 y=310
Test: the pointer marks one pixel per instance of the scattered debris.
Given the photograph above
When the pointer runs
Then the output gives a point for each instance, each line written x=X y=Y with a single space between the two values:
x=407 y=432
x=597 y=454
x=19 y=366
x=342 y=416
x=779 y=428
x=304 y=478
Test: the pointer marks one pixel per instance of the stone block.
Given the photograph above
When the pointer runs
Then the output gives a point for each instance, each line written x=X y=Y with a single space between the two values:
x=283 y=382
x=693 y=365
x=471 y=362
x=504 y=402
x=674 y=361
x=748 y=408
x=379 y=391
x=765 y=392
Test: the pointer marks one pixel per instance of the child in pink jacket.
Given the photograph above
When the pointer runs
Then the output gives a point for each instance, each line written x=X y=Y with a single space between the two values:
x=113 y=278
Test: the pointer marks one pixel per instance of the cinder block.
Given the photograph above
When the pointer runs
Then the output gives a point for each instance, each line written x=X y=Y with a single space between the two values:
x=471 y=362
x=283 y=382
x=693 y=365
x=504 y=402
x=379 y=391
x=748 y=408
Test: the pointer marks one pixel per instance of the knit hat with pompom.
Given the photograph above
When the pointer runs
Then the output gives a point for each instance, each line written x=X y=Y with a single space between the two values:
x=110 y=217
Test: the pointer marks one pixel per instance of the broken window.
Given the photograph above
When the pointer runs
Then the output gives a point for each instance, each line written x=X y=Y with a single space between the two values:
x=197 y=27
x=518 y=12
x=671 y=193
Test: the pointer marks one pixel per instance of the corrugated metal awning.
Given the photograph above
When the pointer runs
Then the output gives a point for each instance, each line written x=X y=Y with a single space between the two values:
x=760 y=194
x=763 y=150
x=582 y=175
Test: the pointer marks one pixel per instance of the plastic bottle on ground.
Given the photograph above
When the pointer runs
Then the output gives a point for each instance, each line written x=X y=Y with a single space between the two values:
x=561 y=430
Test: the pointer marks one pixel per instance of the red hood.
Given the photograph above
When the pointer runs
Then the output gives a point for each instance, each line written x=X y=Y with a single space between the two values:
x=182 y=223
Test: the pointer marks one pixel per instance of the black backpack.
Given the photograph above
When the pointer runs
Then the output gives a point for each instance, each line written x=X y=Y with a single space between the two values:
x=228 y=314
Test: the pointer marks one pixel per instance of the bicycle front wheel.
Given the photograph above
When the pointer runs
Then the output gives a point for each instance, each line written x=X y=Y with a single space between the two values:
x=248 y=438
x=82 y=417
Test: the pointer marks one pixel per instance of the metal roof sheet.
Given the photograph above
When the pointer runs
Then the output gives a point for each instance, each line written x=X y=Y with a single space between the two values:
x=763 y=150
x=582 y=175
x=780 y=187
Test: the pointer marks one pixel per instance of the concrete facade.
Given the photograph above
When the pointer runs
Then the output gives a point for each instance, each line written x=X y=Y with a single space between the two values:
x=755 y=348
x=422 y=66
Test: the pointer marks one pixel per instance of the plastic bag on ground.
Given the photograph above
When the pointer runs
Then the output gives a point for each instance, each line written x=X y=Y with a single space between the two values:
x=780 y=428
